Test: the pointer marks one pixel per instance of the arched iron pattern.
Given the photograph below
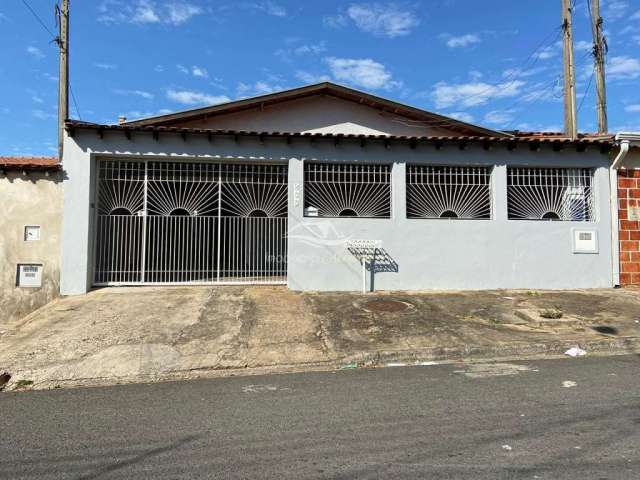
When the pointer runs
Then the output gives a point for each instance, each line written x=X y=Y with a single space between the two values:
x=348 y=190
x=453 y=192
x=120 y=187
x=178 y=187
x=254 y=190
x=550 y=194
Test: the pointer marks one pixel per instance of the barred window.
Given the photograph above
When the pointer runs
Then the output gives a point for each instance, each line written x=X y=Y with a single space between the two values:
x=550 y=194
x=448 y=192
x=347 y=190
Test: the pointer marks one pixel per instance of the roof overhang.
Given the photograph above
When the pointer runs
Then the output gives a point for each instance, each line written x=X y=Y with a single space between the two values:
x=604 y=144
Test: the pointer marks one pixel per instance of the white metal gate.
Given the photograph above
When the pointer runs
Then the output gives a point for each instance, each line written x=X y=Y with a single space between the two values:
x=163 y=223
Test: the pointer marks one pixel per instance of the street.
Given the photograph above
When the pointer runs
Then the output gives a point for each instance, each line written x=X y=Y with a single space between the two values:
x=542 y=419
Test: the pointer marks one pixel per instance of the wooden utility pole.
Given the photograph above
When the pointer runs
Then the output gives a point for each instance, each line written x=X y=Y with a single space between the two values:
x=599 y=54
x=570 y=110
x=63 y=82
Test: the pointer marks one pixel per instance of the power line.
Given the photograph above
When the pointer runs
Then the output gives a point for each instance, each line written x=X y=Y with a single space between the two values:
x=75 y=102
x=586 y=92
x=37 y=17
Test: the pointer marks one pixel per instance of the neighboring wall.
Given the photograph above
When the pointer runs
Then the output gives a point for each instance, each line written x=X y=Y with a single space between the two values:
x=31 y=199
x=430 y=254
x=629 y=215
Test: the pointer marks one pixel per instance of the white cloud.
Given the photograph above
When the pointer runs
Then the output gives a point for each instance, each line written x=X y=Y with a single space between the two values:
x=307 y=77
x=257 y=88
x=364 y=72
x=461 y=41
x=145 y=13
x=635 y=16
x=474 y=93
x=42 y=115
x=270 y=8
x=35 y=52
x=583 y=46
x=499 y=117
x=462 y=116
x=175 y=12
x=632 y=108
x=138 y=93
x=386 y=20
x=547 y=52
x=181 y=12
x=623 y=68
x=105 y=66
x=199 y=72
x=36 y=99
x=182 y=68
x=286 y=54
x=615 y=9
x=187 y=97
x=335 y=21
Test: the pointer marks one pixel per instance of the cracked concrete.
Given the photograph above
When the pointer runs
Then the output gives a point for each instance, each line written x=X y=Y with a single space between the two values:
x=147 y=334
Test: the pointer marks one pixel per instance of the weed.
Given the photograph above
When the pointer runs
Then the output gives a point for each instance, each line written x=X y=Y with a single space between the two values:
x=23 y=384
x=551 y=313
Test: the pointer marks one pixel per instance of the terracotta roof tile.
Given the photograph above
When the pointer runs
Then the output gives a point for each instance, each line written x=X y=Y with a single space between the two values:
x=29 y=163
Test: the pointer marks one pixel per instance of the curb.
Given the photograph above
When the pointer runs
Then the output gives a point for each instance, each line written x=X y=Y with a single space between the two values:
x=429 y=356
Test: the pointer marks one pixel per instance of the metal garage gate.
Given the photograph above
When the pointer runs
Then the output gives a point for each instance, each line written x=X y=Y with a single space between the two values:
x=190 y=223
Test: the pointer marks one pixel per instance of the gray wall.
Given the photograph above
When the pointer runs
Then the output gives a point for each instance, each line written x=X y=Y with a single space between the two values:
x=32 y=199
x=430 y=254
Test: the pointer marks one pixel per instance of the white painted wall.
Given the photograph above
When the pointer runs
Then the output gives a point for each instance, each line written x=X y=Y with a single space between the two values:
x=431 y=254
x=319 y=114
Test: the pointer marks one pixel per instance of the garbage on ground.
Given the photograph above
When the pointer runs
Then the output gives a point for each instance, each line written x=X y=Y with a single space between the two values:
x=507 y=448
x=575 y=352
x=569 y=384
x=349 y=365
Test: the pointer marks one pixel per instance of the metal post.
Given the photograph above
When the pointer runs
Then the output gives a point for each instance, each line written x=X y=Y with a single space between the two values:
x=63 y=82
x=570 y=109
x=143 y=255
x=599 y=54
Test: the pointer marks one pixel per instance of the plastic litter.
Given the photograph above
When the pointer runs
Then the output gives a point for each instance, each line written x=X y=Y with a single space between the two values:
x=349 y=365
x=569 y=384
x=507 y=448
x=575 y=352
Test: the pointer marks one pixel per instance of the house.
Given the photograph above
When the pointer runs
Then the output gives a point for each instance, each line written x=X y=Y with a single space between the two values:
x=31 y=199
x=325 y=187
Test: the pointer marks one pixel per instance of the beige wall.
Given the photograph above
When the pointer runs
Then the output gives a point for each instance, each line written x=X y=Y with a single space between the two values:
x=324 y=114
x=34 y=199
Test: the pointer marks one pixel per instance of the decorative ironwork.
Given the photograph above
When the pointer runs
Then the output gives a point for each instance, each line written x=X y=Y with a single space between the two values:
x=550 y=194
x=120 y=187
x=448 y=192
x=197 y=223
x=254 y=190
x=183 y=189
x=347 y=190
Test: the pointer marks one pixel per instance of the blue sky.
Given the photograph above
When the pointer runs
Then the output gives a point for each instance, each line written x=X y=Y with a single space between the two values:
x=495 y=63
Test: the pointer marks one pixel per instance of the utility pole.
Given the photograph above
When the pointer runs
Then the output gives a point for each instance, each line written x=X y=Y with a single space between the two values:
x=599 y=54
x=63 y=82
x=570 y=110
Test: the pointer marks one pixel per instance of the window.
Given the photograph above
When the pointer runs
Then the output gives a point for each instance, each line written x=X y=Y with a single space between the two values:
x=347 y=190
x=551 y=194
x=448 y=192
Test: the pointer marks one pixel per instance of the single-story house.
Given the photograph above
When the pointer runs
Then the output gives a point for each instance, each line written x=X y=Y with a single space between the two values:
x=325 y=187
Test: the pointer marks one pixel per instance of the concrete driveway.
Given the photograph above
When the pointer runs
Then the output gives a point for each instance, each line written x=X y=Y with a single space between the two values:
x=146 y=334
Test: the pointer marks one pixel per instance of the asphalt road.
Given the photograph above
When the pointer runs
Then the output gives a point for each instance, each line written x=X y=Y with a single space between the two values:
x=519 y=420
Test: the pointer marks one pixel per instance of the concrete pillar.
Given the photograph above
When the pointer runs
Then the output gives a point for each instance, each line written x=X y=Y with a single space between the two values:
x=77 y=220
x=499 y=193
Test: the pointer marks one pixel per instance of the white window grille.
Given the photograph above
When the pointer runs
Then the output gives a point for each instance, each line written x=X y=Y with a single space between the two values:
x=550 y=194
x=347 y=190
x=448 y=192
